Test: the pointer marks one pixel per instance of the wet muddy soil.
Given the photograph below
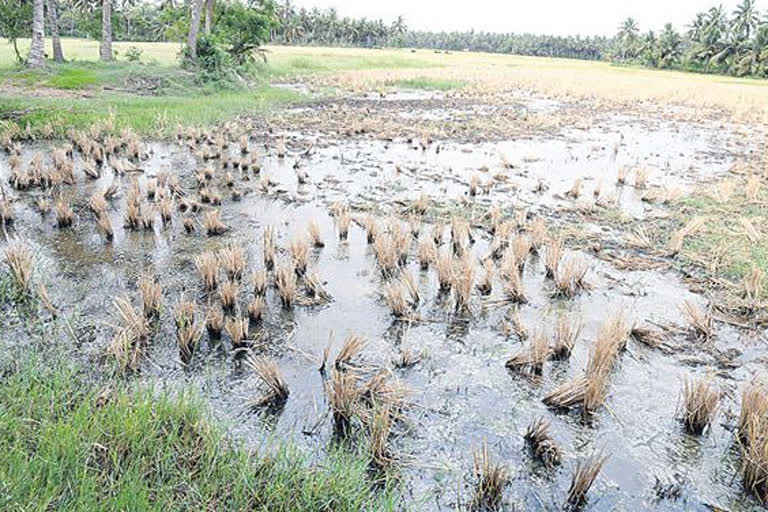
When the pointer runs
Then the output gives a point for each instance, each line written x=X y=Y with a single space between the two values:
x=461 y=392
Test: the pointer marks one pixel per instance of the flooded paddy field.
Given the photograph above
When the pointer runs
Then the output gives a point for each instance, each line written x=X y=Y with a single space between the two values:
x=420 y=297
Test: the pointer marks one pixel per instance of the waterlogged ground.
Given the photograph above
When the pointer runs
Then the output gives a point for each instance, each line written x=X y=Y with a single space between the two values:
x=461 y=392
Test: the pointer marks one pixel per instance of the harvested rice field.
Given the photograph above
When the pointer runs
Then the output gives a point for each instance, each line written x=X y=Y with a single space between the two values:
x=506 y=294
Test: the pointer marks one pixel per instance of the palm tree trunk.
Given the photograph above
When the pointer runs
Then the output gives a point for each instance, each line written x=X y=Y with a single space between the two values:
x=194 y=28
x=105 y=48
x=53 y=23
x=208 y=15
x=36 y=57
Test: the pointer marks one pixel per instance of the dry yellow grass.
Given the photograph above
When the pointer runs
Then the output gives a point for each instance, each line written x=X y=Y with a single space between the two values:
x=208 y=266
x=285 y=280
x=753 y=437
x=151 y=296
x=232 y=259
x=567 y=331
x=273 y=387
x=583 y=477
x=349 y=353
x=490 y=478
x=188 y=329
x=532 y=358
x=228 y=295
x=560 y=78
x=701 y=323
x=19 y=260
x=700 y=400
x=540 y=440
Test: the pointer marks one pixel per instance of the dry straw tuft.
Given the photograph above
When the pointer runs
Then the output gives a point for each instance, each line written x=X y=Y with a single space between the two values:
x=343 y=394
x=131 y=336
x=485 y=285
x=18 y=258
x=583 y=477
x=386 y=251
x=300 y=254
x=552 y=254
x=571 y=278
x=64 y=214
x=269 y=247
x=490 y=479
x=214 y=322
x=285 y=280
x=753 y=436
x=343 y=220
x=259 y=278
x=256 y=309
x=700 y=402
x=590 y=390
x=753 y=284
x=208 y=268
x=151 y=296
x=542 y=445
x=567 y=331
x=188 y=330
x=212 y=223
x=314 y=234
x=232 y=259
x=273 y=387
x=350 y=352
x=395 y=295
x=237 y=328
x=427 y=253
x=463 y=281
x=701 y=323
x=228 y=295
x=575 y=190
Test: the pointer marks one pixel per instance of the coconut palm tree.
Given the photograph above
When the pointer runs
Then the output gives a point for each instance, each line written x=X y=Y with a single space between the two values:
x=105 y=47
x=697 y=26
x=647 y=49
x=745 y=18
x=36 y=57
x=627 y=37
x=670 y=47
x=194 y=28
x=398 y=26
x=53 y=25
x=209 y=8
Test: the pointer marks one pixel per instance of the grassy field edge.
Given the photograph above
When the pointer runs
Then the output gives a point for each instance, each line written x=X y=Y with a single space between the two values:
x=67 y=446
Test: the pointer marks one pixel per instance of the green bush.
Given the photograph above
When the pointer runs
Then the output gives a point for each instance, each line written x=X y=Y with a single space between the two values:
x=243 y=30
x=234 y=44
x=133 y=54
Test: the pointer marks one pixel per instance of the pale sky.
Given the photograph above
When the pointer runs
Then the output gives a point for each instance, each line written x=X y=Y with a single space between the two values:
x=585 y=17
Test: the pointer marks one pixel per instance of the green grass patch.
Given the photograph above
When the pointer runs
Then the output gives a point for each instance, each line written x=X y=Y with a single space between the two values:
x=118 y=75
x=154 y=115
x=723 y=242
x=65 y=447
x=429 y=84
x=73 y=79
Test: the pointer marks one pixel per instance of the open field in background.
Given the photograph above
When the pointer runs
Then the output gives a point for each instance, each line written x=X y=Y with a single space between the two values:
x=481 y=75
x=566 y=249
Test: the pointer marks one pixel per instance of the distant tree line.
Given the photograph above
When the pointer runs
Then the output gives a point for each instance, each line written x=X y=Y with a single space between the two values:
x=715 y=42
x=325 y=27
